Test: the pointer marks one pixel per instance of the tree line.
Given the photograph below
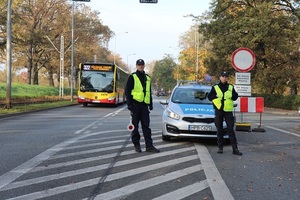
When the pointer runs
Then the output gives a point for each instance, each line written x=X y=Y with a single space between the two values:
x=37 y=30
x=270 y=28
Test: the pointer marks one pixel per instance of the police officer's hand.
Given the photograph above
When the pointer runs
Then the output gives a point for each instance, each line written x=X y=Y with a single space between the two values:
x=150 y=107
x=130 y=107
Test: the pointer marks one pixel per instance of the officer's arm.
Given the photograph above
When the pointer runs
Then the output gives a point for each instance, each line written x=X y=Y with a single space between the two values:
x=128 y=89
x=235 y=95
x=212 y=94
x=151 y=100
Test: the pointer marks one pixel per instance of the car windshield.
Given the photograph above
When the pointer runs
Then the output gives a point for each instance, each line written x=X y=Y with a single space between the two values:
x=190 y=96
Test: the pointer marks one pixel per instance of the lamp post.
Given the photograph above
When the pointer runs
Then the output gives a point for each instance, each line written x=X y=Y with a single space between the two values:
x=8 y=57
x=116 y=44
x=72 y=50
x=128 y=56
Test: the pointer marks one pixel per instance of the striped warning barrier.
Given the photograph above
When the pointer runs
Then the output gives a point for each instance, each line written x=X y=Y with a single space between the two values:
x=250 y=104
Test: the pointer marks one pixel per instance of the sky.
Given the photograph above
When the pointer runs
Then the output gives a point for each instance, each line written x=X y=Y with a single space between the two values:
x=153 y=29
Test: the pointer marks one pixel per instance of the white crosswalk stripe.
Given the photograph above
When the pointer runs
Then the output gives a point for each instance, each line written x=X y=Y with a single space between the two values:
x=104 y=161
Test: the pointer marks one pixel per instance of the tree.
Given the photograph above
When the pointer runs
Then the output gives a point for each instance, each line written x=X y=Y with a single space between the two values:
x=270 y=28
x=163 y=70
x=34 y=21
x=193 y=43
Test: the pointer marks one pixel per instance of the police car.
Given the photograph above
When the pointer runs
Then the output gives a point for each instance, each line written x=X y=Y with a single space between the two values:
x=189 y=113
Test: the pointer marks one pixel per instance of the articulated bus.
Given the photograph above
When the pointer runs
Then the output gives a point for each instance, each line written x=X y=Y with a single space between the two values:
x=101 y=83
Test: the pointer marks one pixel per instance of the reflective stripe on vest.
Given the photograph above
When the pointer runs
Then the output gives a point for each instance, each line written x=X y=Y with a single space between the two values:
x=137 y=92
x=228 y=103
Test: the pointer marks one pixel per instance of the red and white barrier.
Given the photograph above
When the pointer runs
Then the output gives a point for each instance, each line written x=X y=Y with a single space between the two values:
x=250 y=104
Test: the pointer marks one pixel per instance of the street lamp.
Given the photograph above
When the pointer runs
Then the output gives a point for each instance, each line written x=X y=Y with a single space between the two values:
x=72 y=54
x=128 y=56
x=116 y=44
x=8 y=56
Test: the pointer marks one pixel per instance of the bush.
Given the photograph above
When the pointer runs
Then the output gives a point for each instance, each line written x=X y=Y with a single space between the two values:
x=289 y=102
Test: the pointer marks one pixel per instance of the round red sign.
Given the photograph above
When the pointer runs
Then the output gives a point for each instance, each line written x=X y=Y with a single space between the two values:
x=243 y=59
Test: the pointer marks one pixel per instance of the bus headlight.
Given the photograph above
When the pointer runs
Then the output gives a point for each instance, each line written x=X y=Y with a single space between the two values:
x=111 y=98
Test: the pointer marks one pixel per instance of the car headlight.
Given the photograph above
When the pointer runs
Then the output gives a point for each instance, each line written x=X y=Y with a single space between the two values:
x=172 y=115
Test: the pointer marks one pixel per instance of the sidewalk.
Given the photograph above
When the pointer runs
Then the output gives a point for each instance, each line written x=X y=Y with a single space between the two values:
x=281 y=111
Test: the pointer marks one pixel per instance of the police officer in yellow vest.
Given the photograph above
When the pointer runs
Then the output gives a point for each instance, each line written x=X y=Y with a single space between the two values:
x=139 y=102
x=222 y=96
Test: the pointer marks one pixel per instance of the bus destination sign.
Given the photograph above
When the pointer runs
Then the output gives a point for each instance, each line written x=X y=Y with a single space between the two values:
x=98 y=67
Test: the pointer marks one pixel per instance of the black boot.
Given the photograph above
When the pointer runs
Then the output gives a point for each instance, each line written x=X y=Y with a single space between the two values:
x=236 y=152
x=220 y=150
x=220 y=145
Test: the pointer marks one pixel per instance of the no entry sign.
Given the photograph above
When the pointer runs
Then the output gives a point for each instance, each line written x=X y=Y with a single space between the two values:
x=243 y=59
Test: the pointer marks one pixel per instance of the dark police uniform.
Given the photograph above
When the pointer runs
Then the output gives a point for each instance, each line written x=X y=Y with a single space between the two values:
x=222 y=95
x=140 y=109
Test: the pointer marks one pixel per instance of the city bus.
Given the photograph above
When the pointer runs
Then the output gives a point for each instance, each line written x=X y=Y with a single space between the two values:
x=101 y=83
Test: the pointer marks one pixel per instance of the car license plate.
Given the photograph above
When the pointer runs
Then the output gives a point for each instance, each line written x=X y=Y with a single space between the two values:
x=96 y=101
x=200 y=128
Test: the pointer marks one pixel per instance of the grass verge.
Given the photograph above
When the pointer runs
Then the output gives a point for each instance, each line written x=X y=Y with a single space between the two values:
x=35 y=106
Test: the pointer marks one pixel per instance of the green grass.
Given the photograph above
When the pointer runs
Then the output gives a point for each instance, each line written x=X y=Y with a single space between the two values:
x=35 y=106
x=21 y=92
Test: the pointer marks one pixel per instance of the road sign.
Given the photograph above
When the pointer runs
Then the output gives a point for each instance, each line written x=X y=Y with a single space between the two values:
x=243 y=90
x=148 y=1
x=242 y=78
x=243 y=59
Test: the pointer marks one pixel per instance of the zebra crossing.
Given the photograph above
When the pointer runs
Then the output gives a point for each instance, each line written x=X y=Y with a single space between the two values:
x=103 y=165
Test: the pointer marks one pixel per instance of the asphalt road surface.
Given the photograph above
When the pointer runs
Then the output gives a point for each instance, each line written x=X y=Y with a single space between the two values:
x=85 y=153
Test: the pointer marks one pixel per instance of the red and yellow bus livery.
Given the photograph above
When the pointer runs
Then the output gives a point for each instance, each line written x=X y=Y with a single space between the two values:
x=101 y=83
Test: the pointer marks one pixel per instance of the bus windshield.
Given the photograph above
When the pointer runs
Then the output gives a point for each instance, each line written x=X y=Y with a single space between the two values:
x=97 y=81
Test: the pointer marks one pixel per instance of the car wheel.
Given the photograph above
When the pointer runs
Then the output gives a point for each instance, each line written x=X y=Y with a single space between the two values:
x=165 y=138
x=85 y=104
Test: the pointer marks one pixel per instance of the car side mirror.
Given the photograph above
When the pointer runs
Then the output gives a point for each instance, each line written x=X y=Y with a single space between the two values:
x=164 y=103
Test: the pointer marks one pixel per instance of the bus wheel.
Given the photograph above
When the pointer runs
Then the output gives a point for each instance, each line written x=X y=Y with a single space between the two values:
x=85 y=104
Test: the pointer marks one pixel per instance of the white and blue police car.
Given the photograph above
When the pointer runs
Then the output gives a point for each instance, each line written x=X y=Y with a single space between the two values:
x=189 y=113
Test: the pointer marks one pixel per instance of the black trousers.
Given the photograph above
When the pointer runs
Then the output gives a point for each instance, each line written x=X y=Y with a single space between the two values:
x=140 y=113
x=220 y=115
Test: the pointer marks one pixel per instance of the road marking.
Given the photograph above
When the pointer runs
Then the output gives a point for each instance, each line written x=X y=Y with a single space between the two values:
x=129 y=189
x=32 y=163
x=283 y=131
x=213 y=181
x=90 y=159
x=217 y=185
x=184 y=191
x=104 y=166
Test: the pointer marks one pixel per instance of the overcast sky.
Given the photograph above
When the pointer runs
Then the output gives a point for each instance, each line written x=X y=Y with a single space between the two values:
x=153 y=29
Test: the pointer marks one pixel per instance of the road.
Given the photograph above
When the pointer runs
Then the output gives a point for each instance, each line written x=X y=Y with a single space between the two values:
x=85 y=153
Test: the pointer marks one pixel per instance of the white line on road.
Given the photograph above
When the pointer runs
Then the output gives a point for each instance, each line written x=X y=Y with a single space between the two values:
x=104 y=166
x=283 y=131
x=217 y=185
x=184 y=191
x=129 y=189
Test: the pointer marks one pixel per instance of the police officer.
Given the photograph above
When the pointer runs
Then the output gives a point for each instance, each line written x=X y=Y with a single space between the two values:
x=139 y=102
x=222 y=96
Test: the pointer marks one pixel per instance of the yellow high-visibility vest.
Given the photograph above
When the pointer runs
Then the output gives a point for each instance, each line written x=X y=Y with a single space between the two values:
x=228 y=102
x=137 y=92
